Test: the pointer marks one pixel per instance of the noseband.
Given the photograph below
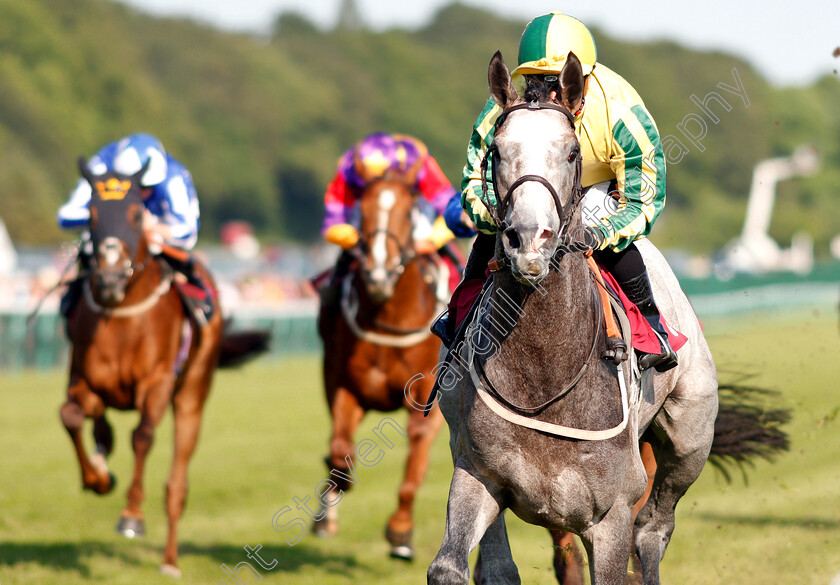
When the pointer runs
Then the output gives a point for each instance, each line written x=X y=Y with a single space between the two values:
x=499 y=210
x=407 y=253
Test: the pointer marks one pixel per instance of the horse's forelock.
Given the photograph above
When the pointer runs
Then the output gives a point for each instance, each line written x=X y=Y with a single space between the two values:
x=537 y=90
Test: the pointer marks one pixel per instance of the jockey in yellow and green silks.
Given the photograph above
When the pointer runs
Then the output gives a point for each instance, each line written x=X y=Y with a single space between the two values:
x=623 y=162
x=618 y=137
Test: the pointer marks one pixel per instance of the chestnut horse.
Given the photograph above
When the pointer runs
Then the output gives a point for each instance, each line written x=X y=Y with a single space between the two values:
x=132 y=350
x=378 y=351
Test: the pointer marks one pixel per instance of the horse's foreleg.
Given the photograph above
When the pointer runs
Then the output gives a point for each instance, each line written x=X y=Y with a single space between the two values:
x=608 y=545
x=472 y=508
x=81 y=403
x=495 y=561
x=157 y=392
x=187 y=406
x=346 y=416
x=421 y=433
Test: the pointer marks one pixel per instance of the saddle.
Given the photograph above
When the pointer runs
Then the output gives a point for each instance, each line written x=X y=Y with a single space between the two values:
x=613 y=299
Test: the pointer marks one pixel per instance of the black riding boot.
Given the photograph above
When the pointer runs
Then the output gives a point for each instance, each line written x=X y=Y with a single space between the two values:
x=630 y=272
x=330 y=292
x=639 y=292
x=476 y=268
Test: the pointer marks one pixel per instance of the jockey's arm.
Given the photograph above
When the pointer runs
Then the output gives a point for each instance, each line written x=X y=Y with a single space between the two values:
x=639 y=166
x=437 y=191
x=75 y=214
x=458 y=220
x=177 y=223
x=337 y=226
x=471 y=189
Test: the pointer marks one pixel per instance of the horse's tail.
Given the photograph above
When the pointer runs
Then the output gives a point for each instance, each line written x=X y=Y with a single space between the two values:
x=746 y=429
x=240 y=347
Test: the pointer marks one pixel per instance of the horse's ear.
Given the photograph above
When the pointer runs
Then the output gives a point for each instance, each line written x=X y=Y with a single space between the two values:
x=84 y=170
x=137 y=176
x=498 y=78
x=571 y=83
x=410 y=175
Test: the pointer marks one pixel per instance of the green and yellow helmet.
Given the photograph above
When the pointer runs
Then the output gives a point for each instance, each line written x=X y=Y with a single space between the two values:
x=547 y=40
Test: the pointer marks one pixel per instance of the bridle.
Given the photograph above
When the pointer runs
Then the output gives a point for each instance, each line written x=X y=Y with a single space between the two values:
x=499 y=210
x=128 y=267
x=407 y=253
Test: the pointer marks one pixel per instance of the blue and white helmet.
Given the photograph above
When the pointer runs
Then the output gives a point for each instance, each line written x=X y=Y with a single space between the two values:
x=134 y=151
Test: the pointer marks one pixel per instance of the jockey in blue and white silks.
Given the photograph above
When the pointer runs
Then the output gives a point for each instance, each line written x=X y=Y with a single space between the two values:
x=171 y=208
x=171 y=198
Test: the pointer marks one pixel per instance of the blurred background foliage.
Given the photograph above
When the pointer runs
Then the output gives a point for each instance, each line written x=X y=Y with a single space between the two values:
x=261 y=121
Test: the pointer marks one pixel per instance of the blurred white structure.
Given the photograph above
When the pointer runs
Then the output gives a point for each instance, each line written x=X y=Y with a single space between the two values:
x=754 y=251
x=8 y=255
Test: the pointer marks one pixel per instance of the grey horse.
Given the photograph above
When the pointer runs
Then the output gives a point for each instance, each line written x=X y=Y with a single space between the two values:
x=544 y=366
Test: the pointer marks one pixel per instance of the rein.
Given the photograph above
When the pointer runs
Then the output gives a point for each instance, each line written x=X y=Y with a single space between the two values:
x=350 y=311
x=407 y=253
x=499 y=210
x=504 y=409
x=534 y=410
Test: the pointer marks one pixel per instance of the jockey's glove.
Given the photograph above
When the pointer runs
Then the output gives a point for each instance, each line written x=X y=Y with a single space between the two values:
x=441 y=234
x=593 y=238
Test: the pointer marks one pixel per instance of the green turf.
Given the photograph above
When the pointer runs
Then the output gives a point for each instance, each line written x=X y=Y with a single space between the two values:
x=262 y=444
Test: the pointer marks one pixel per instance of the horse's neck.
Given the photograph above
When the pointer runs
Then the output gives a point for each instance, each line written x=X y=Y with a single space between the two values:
x=145 y=281
x=555 y=323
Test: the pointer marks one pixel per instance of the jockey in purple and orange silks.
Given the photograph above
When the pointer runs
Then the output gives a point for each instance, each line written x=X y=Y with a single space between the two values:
x=368 y=160
x=371 y=158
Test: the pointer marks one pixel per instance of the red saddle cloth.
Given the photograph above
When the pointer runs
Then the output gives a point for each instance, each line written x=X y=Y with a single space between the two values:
x=643 y=339
x=192 y=291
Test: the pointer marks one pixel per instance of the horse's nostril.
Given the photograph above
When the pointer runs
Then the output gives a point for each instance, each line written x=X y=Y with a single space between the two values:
x=513 y=238
x=545 y=234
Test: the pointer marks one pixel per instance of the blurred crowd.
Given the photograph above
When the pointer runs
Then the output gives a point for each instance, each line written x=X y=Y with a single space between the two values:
x=270 y=279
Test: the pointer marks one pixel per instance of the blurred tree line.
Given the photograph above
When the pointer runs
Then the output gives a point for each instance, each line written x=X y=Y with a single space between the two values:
x=260 y=122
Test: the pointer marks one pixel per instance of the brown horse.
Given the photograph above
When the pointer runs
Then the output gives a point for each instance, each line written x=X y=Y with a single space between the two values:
x=378 y=352
x=133 y=348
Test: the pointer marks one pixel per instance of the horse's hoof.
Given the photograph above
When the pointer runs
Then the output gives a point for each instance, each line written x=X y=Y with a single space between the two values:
x=400 y=544
x=112 y=483
x=170 y=570
x=325 y=528
x=403 y=553
x=101 y=491
x=132 y=528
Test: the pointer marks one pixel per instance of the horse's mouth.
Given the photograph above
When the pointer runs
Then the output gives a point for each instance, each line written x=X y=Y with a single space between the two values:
x=379 y=294
x=532 y=274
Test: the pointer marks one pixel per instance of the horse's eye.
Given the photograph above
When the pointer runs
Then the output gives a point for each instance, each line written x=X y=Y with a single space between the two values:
x=573 y=155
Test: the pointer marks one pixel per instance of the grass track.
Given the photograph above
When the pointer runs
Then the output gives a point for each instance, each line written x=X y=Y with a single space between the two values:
x=264 y=436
